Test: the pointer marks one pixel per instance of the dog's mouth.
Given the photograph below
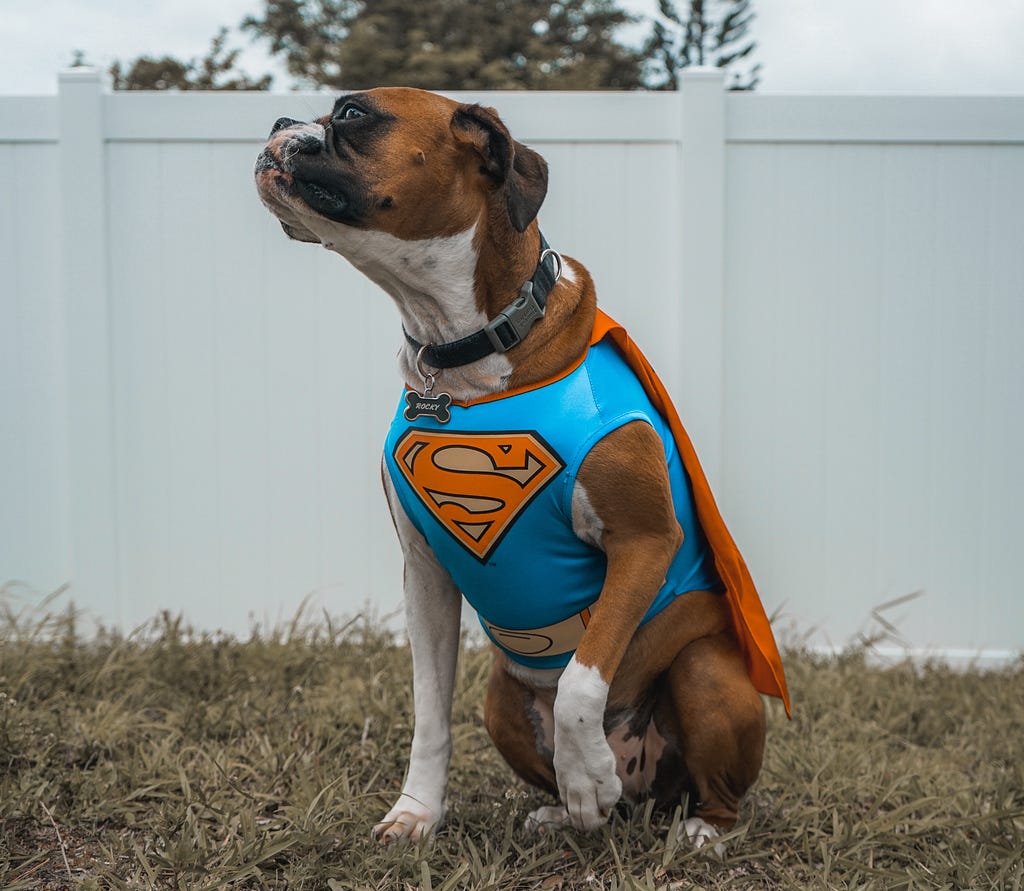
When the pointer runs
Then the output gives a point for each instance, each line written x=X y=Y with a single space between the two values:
x=299 y=185
x=321 y=191
x=325 y=198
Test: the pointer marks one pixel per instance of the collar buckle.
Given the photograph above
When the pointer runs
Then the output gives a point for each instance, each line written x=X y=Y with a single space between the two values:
x=507 y=329
x=513 y=323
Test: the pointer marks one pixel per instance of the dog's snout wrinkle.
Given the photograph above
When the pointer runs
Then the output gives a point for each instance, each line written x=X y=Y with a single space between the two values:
x=282 y=124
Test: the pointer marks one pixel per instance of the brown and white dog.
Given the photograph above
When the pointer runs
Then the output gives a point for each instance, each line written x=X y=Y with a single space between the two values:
x=436 y=203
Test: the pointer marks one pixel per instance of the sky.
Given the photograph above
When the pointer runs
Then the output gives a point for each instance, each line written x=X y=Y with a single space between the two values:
x=949 y=47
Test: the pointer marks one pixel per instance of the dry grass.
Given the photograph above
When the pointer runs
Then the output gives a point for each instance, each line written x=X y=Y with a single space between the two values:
x=173 y=760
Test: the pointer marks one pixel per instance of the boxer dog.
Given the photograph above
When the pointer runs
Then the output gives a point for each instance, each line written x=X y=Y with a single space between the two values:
x=535 y=464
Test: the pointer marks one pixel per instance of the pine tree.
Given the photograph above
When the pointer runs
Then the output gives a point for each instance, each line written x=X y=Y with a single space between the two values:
x=703 y=32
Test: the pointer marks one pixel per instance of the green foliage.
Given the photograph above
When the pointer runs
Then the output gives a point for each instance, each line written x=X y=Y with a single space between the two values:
x=450 y=44
x=215 y=71
x=172 y=759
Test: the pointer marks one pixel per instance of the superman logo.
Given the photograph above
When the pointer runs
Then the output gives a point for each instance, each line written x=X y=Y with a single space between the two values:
x=476 y=484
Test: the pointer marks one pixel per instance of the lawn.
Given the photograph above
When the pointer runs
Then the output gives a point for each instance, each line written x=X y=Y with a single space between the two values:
x=169 y=759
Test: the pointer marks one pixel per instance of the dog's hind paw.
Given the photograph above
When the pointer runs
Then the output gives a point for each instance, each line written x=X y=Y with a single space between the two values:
x=700 y=833
x=545 y=819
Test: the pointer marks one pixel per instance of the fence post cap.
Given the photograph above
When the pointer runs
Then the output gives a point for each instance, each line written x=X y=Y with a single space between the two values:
x=80 y=74
x=702 y=72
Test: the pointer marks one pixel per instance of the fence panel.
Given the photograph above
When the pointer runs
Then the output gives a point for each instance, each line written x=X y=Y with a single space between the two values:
x=193 y=405
x=874 y=322
x=34 y=542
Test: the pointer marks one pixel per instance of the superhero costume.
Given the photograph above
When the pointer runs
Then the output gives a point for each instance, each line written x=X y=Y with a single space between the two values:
x=491 y=491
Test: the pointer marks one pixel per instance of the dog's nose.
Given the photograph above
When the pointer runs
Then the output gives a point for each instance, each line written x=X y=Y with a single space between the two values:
x=301 y=142
x=282 y=123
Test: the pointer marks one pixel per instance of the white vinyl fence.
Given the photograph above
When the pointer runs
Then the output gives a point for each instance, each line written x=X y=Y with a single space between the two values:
x=192 y=407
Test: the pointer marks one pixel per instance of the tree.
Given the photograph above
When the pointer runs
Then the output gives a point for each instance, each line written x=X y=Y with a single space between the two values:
x=708 y=32
x=450 y=44
x=468 y=44
x=215 y=71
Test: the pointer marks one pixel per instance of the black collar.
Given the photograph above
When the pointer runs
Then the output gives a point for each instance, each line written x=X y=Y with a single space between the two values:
x=507 y=328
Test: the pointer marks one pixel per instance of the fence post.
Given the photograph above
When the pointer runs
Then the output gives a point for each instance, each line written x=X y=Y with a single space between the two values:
x=85 y=280
x=702 y=259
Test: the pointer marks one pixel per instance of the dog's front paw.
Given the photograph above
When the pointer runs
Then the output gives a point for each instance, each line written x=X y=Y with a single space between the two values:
x=408 y=820
x=583 y=760
x=587 y=783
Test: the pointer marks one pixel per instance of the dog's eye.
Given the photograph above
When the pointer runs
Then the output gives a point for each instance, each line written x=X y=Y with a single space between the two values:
x=350 y=112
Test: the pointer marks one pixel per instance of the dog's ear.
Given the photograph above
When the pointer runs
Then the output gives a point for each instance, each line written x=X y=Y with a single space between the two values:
x=522 y=173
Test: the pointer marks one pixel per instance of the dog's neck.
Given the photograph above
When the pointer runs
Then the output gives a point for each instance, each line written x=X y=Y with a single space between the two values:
x=448 y=287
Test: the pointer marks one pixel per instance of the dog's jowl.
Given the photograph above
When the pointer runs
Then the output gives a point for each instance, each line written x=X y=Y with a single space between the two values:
x=535 y=465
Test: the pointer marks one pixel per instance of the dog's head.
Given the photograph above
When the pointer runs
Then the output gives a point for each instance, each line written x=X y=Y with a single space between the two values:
x=409 y=163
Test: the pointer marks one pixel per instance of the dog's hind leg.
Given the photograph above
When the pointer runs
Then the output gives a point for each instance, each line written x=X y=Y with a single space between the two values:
x=519 y=720
x=721 y=729
x=521 y=724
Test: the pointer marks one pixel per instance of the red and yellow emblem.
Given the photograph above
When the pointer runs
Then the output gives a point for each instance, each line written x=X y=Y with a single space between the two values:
x=476 y=484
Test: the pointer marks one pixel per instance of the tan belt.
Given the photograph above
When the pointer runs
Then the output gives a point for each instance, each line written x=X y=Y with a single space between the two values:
x=551 y=640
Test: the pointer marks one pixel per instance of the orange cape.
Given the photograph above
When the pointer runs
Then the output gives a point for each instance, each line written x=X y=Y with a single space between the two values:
x=753 y=629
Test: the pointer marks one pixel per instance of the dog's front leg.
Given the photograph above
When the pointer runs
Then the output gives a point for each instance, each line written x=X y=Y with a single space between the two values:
x=433 y=615
x=622 y=503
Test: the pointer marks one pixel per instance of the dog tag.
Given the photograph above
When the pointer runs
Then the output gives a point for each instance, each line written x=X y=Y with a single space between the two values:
x=426 y=406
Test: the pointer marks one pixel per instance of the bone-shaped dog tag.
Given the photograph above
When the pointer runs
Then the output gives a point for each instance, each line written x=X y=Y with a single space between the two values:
x=426 y=406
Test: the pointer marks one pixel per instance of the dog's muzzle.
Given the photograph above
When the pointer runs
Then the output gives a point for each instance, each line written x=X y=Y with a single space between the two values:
x=311 y=174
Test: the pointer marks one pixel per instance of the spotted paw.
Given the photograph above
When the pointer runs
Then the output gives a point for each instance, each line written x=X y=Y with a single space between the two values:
x=588 y=788
x=584 y=762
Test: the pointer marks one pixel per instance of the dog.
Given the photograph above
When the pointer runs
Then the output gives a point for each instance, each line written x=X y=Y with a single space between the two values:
x=535 y=464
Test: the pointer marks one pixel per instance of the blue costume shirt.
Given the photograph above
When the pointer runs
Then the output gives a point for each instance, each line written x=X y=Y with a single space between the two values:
x=491 y=491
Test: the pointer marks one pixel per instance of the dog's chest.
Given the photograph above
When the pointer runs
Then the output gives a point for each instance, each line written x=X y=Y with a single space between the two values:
x=492 y=492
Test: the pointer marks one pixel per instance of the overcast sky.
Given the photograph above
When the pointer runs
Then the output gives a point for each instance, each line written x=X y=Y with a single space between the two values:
x=902 y=46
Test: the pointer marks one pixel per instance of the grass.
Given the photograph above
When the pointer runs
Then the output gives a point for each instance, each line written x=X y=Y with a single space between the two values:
x=170 y=759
